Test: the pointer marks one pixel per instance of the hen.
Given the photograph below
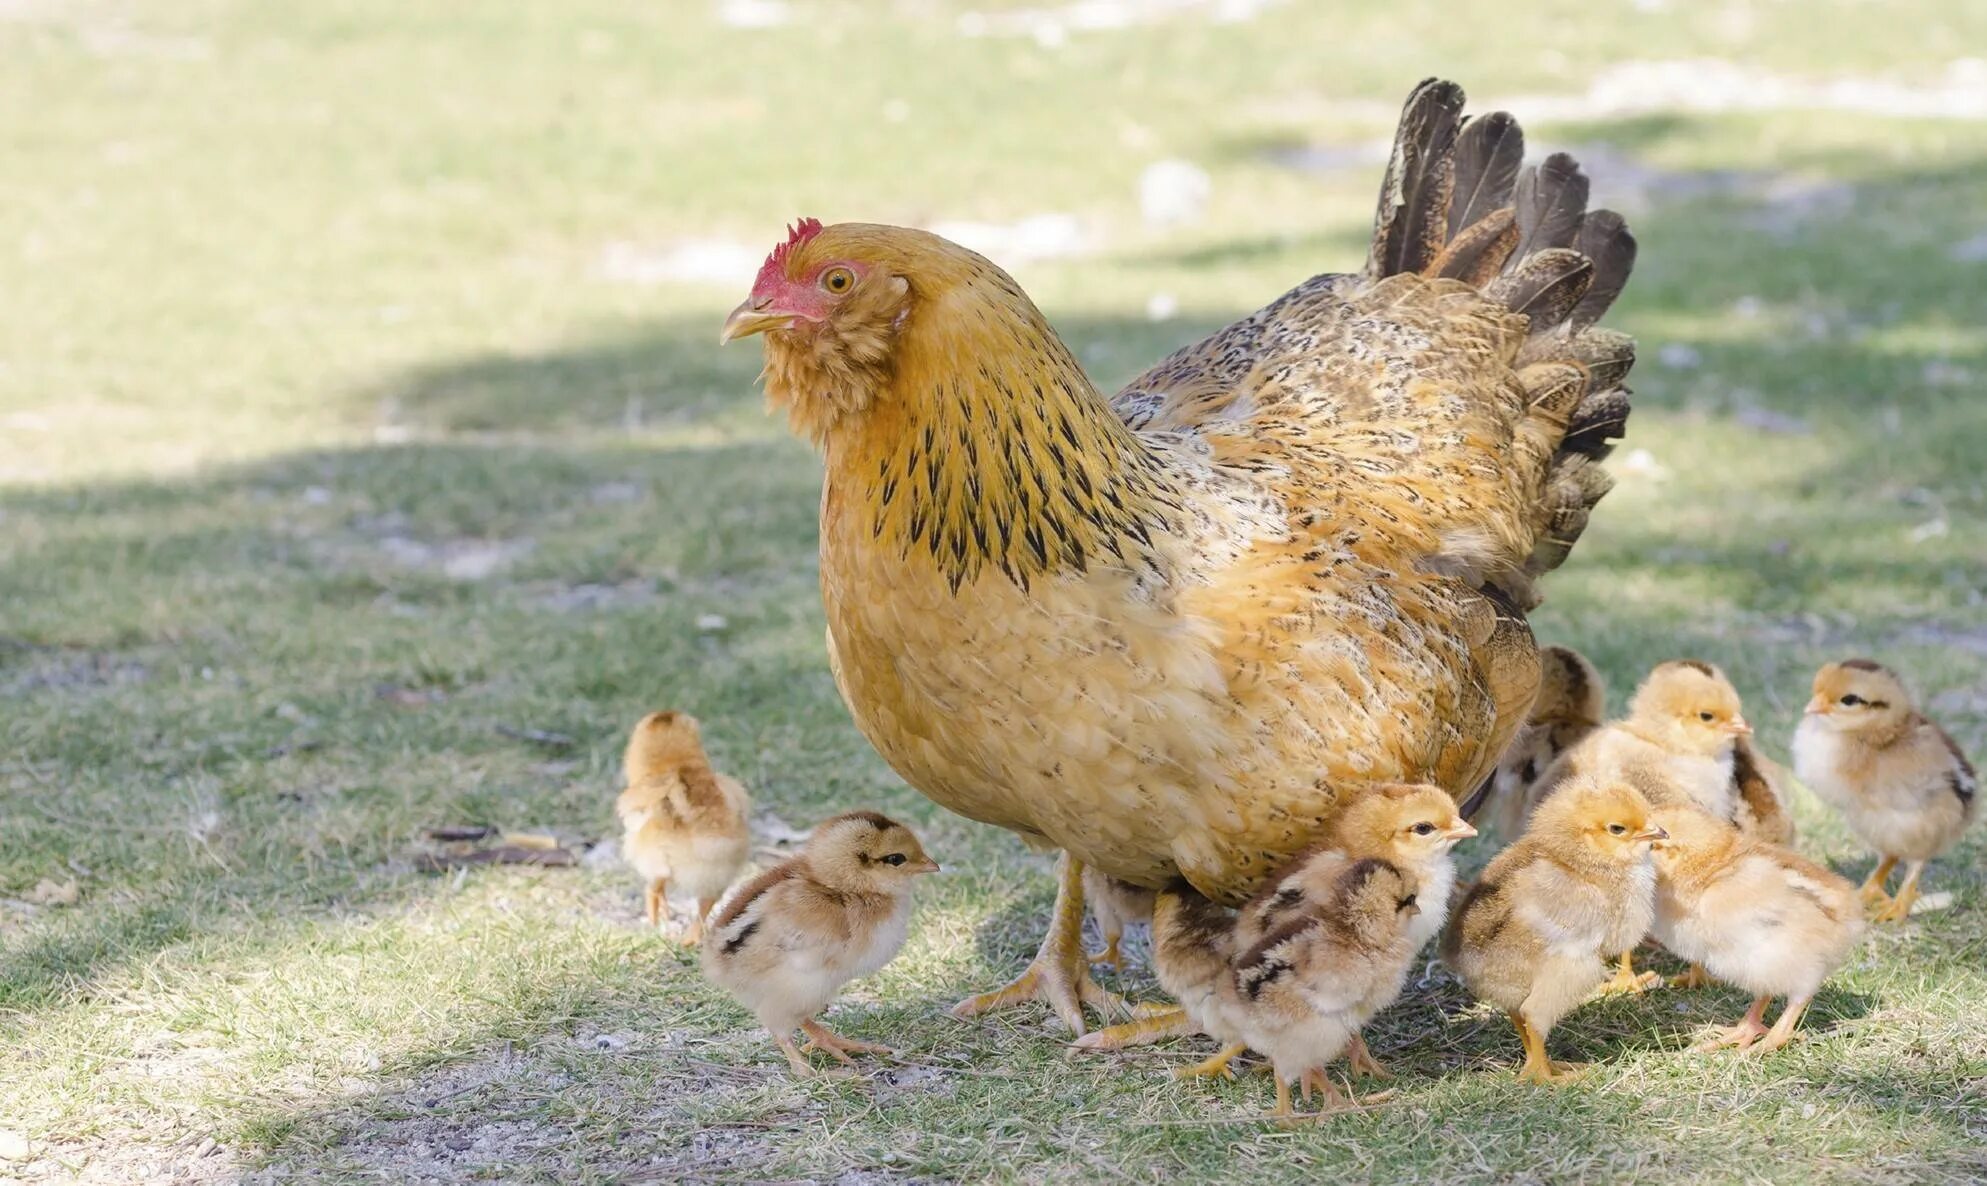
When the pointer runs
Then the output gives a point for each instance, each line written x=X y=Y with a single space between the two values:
x=1173 y=631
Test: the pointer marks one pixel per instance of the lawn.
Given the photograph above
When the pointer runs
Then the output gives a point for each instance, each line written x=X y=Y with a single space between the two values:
x=368 y=464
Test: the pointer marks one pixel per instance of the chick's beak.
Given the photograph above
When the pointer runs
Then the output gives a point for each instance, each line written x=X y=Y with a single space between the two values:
x=925 y=866
x=1818 y=707
x=753 y=315
x=1737 y=727
x=1460 y=830
x=1654 y=833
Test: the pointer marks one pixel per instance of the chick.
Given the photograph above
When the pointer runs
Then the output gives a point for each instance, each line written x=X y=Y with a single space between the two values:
x=1572 y=703
x=1679 y=743
x=1302 y=991
x=681 y=821
x=1897 y=778
x=1531 y=935
x=1193 y=943
x=1752 y=914
x=785 y=942
x=1115 y=905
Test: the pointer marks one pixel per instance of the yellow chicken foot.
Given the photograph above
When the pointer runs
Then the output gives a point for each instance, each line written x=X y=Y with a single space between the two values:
x=1156 y=1025
x=655 y=904
x=1539 y=1067
x=1872 y=888
x=1749 y=1029
x=1110 y=953
x=1214 y=1064
x=1626 y=979
x=820 y=1037
x=1694 y=977
x=1899 y=908
x=1783 y=1029
x=1060 y=973
x=1362 y=1062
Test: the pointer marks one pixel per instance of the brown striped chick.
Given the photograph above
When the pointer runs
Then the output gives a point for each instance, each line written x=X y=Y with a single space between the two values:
x=1303 y=990
x=1572 y=703
x=1752 y=914
x=1678 y=744
x=683 y=824
x=785 y=942
x=1897 y=778
x=1116 y=905
x=1532 y=934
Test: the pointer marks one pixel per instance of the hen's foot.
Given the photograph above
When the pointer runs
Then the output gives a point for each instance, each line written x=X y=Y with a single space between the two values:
x=1060 y=974
x=1157 y=1024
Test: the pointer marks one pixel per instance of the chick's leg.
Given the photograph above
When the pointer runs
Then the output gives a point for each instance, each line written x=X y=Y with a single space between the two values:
x=1872 y=888
x=1361 y=1059
x=1745 y=1033
x=1626 y=979
x=1899 y=907
x=1539 y=1066
x=655 y=900
x=1112 y=937
x=1157 y=1025
x=1060 y=973
x=820 y=1037
x=1783 y=1029
x=1215 y=1064
x=694 y=933
x=1695 y=977
x=795 y=1059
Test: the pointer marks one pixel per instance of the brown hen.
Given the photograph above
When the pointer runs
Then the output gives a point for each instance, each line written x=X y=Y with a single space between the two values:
x=1173 y=631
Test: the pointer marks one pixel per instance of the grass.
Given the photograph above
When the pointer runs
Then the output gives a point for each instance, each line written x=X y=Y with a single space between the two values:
x=330 y=450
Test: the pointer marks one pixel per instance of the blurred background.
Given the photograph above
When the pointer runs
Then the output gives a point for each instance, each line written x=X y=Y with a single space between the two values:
x=368 y=463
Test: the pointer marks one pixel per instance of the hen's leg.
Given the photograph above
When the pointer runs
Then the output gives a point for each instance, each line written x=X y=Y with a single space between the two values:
x=1745 y=1033
x=1899 y=908
x=1872 y=888
x=1060 y=975
x=655 y=900
x=1156 y=1025
x=1626 y=979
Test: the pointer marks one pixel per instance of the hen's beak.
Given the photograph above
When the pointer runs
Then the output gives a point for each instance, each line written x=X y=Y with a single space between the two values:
x=1461 y=831
x=1818 y=706
x=753 y=316
x=925 y=866
x=1737 y=727
x=1654 y=833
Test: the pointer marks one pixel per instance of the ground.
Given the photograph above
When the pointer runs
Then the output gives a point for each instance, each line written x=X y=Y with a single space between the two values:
x=368 y=463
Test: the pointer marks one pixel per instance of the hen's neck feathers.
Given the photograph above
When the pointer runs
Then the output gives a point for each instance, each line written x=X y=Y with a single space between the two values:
x=960 y=427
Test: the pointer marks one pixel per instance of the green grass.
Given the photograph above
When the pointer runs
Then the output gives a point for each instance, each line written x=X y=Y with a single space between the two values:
x=328 y=450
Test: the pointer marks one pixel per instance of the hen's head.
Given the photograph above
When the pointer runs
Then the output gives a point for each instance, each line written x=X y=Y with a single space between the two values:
x=836 y=304
x=1857 y=695
x=1689 y=707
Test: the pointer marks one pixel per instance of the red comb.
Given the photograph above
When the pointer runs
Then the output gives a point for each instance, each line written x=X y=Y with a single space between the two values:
x=797 y=234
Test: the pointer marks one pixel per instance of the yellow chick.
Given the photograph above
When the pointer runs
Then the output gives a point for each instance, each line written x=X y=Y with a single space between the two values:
x=681 y=821
x=1897 y=778
x=1752 y=914
x=1302 y=991
x=785 y=942
x=1193 y=944
x=1572 y=703
x=1116 y=905
x=1530 y=936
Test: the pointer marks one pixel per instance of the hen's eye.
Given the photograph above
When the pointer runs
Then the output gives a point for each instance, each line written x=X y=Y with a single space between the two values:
x=1851 y=700
x=895 y=858
x=838 y=279
x=1424 y=828
x=1616 y=829
x=1703 y=716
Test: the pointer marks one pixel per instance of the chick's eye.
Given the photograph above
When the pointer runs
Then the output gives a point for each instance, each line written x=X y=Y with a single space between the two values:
x=1704 y=716
x=1616 y=829
x=1851 y=700
x=838 y=279
x=1424 y=828
x=895 y=858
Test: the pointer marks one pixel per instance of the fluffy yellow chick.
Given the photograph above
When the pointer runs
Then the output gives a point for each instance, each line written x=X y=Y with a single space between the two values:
x=681 y=821
x=1572 y=703
x=1752 y=914
x=786 y=941
x=1116 y=905
x=1897 y=778
x=1530 y=936
x=1303 y=990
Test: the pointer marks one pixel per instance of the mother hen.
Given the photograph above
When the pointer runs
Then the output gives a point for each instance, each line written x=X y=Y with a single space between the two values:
x=1172 y=632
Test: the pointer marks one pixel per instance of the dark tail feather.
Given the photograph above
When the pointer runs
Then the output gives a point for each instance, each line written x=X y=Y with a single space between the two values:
x=1488 y=154
x=1412 y=223
x=1604 y=239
